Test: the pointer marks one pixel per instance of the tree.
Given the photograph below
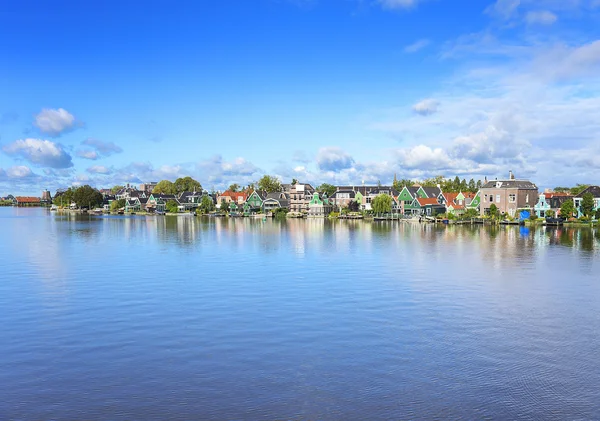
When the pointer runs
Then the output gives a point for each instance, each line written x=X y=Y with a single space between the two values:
x=234 y=187
x=478 y=184
x=186 y=184
x=116 y=189
x=172 y=206
x=456 y=184
x=117 y=204
x=463 y=186
x=294 y=181
x=400 y=184
x=382 y=203
x=206 y=205
x=224 y=206
x=353 y=206
x=494 y=213
x=472 y=187
x=165 y=187
x=598 y=213
x=578 y=189
x=567 y=209
x=87 y=196
x=587 y=204
x=471 y=213
x=328 y=189
x=433 y=182
x=549 y=213
x=269 y=183
x=63 y=197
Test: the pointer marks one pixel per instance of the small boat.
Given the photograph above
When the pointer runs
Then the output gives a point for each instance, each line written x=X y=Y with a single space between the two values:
x=53 y=208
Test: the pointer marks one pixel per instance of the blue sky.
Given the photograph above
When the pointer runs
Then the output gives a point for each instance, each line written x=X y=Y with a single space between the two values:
x=339 y=91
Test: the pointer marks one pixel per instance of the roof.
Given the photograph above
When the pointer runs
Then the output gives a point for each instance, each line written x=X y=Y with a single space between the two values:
x=260 y=193
x=450 y=197
x=350 y=193
x=383 y=189
x=362 y=189
x=428 y=202
x=432 y=191
x=594 y=190
x=510 y=184
x=235 y=195
x=27 y=199
x=550 y=195
x=277 y=196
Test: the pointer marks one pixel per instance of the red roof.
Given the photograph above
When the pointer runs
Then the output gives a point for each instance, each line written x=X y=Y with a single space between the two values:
x=428 y=201
x=557 y=194
x=236 y=195
x=27 y=199
x=451 y=200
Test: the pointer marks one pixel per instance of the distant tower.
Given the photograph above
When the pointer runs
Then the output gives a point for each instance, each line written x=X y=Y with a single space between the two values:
x=395 y=179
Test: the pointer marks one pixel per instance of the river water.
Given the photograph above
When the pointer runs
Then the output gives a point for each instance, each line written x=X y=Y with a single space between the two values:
x=184 y=318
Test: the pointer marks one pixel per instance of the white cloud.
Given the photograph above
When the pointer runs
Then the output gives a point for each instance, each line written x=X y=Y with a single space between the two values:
x=422 y=156
x=426 y=107
x=19 y=171
x=44 y=153
x=333 y=159
x=103 y=148
x=99 y=169
x=541 y=17
x=55 y=121
x=87 y=154
x=417 y=46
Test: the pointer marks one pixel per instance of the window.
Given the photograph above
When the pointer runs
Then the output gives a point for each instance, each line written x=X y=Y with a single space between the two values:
x=512 y=198
x=527 y=199
x=497 y=198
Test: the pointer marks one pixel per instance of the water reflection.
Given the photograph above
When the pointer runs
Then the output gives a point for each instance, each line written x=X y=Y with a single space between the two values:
x=188 y=231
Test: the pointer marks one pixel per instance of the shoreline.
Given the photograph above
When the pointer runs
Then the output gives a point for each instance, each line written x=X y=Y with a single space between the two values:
x=368 y=218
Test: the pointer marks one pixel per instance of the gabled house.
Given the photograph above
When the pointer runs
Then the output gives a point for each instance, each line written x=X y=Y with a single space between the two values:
x=254 y=202
x=454 y=203
x=556 y=199
x=595 y=192
x=23 y=201
x=514 y=197
x=229 y=196
x=189 y=200
x=475 y=201
x=106 y=201
x=341 y=198
x=300 y=196
x=319 y=206
x=276 y=200
x=542 y=206
x=428 y=206
x=157 y=202
x=126 y=193
x=135 y=204
x=373 y=192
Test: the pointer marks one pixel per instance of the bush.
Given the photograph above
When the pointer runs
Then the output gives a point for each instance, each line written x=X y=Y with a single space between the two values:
x=550 y=214
x=334 y=215
x=533 y=217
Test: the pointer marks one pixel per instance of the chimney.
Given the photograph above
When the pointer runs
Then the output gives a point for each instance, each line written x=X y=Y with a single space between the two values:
x=511 y=176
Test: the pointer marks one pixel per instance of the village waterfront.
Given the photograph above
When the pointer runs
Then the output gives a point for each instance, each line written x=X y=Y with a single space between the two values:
x=182 y=317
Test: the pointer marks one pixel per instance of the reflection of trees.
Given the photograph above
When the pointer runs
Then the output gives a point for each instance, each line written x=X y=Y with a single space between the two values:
x=586 y=239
